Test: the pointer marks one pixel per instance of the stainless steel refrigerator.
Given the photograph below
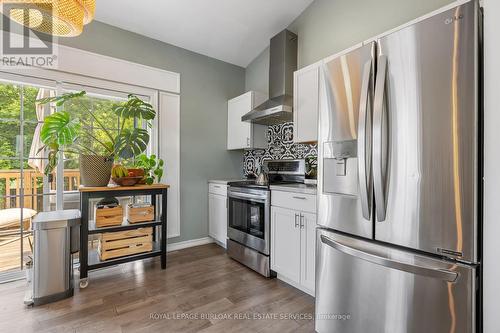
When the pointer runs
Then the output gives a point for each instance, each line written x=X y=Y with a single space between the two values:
x=399 y=188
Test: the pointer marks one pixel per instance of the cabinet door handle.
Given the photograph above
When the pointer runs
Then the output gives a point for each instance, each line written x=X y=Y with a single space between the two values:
x=248 y=142
x=296 y=222
x=300 y=198
x=301 y=221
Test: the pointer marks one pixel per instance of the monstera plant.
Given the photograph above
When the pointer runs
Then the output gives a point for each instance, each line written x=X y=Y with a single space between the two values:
x=76 y=133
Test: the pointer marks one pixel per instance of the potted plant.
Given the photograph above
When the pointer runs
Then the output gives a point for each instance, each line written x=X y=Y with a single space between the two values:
x=153 y=168
x=66 y=132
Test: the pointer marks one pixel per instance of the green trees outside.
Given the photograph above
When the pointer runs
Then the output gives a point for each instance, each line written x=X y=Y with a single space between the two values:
x=10 y=124
x=10 y=128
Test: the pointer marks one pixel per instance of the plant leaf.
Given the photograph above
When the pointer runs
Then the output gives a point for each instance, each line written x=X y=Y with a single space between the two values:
x=131 y=143
x=135 y=108
x=60 y=100
x=59 y=129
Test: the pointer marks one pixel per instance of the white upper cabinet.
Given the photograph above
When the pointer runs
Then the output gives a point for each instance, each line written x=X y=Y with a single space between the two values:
x=306 y=103
x=242 y=134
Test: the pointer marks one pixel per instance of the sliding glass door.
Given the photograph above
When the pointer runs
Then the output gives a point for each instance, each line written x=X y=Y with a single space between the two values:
x=24 y=189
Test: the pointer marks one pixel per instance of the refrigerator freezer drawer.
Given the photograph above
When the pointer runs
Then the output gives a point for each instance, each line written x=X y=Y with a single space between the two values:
x=367 y=287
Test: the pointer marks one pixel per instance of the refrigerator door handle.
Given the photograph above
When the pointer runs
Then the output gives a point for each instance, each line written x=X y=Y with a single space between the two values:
x=442 y=274
x=328 y=88
x=378 y=139
x=364 y=153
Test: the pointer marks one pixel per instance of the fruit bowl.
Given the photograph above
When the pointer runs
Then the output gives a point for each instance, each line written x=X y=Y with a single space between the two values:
x=127 y=181
x=135 y=172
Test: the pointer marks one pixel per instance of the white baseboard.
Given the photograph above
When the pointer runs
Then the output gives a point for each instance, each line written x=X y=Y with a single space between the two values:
x=295 y=285
x=189 y=243
x=224 y=245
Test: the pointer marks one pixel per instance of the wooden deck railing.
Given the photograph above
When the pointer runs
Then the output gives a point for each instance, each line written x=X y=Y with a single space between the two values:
x=10 y=184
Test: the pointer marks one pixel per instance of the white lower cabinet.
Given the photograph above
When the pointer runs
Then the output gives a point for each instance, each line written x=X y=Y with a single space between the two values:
x=217 y=214
x=293 y=243
x=285 y=243
x=308 y=252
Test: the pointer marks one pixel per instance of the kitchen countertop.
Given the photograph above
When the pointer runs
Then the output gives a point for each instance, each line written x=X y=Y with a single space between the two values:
x=223 y=181
x=296 y=188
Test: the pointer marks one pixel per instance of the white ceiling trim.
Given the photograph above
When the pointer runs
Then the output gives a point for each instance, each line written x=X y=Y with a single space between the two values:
x=72 y=65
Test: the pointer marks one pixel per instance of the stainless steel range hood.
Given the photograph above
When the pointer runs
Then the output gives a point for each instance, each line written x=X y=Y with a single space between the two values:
x=282 y=63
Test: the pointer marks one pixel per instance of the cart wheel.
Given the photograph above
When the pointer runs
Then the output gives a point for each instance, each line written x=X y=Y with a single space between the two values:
x=84 y=283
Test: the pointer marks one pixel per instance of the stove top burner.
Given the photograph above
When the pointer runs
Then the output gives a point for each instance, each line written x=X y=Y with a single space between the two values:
x=252 y=184
x=280 y=172
x=248 y=184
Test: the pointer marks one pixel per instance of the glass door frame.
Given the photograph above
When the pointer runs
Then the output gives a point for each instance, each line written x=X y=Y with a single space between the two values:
x=23 y=82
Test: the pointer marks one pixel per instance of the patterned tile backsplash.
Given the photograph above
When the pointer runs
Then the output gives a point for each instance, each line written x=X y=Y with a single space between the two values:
x=280 y=147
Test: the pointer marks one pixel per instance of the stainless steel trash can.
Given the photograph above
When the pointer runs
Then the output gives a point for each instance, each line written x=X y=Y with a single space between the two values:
x=55 y=239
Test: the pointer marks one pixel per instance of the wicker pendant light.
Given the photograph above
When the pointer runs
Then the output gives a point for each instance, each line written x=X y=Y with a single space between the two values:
x=64 y=18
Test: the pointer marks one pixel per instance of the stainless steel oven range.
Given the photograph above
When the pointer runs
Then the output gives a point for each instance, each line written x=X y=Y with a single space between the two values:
x=249 y=210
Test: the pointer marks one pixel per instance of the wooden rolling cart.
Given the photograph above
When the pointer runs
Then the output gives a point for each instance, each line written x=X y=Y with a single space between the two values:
x=89 y=259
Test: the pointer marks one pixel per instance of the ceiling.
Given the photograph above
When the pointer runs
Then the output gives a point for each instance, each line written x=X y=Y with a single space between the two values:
x=235 y=31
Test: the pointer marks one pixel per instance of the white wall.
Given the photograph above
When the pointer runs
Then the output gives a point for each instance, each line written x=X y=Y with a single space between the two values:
x=491 y=244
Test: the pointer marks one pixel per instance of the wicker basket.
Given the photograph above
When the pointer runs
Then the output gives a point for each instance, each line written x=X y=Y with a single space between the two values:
x=95 y=170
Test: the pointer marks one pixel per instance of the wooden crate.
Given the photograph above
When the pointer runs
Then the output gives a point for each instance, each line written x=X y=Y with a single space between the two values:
x=125 y=243
x=141 y=214
x=107 y=217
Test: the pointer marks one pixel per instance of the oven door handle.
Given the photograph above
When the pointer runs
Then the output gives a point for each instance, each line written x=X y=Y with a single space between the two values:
x=246 y=196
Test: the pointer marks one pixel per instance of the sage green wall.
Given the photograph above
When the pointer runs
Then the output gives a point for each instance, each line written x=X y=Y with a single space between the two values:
x=330 y=26
x=206 y=85
x=257 y=73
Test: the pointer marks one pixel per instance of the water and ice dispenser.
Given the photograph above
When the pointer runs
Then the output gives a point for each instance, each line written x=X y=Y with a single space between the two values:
x=340 y=175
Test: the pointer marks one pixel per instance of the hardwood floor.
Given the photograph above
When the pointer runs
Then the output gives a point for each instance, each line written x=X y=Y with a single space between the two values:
x=202 y=290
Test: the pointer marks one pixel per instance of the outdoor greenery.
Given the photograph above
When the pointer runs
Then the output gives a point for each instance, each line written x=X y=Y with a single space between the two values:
x=10 y=126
